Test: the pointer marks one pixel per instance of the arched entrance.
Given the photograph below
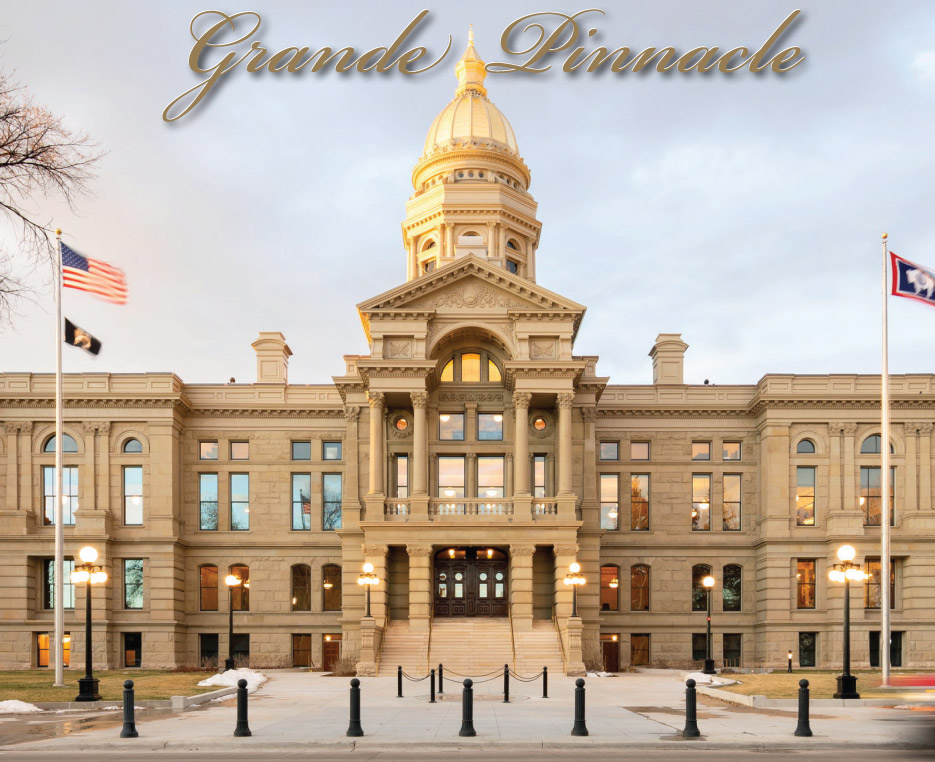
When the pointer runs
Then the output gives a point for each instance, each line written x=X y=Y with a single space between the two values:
x=471 y=582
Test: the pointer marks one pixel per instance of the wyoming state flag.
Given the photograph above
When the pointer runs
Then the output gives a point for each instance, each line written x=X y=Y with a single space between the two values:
x=912 y=281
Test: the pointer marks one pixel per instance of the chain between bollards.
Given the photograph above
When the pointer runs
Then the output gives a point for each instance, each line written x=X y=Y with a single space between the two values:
x=354 y=729
x=467 y=709
x=579 y=729
x=432 y=688
x=399 y=681
x=441 y=679
x=506 y=683
x=242 y=729
x=691 y=711
x=129 y=723
x=803 y=728
x=545 y=682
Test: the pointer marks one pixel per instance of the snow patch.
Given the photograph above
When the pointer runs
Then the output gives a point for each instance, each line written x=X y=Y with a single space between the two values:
x=17 y=707
x=601 y=674
x=229 y=679
x=701 y=678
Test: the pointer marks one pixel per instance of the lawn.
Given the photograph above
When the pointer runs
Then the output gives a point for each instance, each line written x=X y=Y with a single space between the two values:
x=36 y=684
x=820 y=684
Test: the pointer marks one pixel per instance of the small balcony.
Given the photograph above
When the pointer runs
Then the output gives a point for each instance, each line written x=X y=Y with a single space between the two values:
x=467 y=509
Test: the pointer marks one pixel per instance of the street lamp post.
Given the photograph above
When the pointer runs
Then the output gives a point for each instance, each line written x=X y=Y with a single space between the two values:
x=789 y=657
x=847 y=572
x=574 y=578
x=231 y=581
x=93 y=575
x=368 y=578
x=708 y=583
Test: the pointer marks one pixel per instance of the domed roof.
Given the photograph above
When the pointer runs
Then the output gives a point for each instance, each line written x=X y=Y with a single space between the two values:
x=470 y=119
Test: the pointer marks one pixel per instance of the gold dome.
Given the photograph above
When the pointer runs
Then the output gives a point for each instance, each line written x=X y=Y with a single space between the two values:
x=470 y=120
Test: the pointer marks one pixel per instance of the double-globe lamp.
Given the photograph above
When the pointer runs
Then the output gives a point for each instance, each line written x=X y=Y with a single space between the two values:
x=847 y=572
x=574 y=578
x=91 y=574
x=369 y=579
x=708 y=584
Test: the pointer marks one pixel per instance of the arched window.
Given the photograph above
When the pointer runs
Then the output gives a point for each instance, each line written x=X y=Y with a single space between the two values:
x=610 y=588
x=208 y=582
x=871 y=445
x=241 y=593
x=428 y=266
x=731 y=588
x=132 y=445
x=471 y=367
x=448 y=372
x=301 y=587
x=331 y=587
x=512 y=266
x=428 y=245
x=68 y=444
x=493 y=372
x=639 y=587
x=805 y=447
x=699 y=592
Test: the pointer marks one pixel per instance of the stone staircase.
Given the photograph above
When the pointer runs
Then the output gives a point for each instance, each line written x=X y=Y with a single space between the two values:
x=401 y=647
x=471 y=647
x=538 y=648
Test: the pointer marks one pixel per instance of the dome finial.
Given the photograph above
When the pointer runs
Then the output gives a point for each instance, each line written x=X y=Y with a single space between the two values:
x=470 y=69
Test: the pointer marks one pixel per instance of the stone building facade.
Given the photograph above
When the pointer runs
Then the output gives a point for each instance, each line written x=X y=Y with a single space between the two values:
x=470 y=441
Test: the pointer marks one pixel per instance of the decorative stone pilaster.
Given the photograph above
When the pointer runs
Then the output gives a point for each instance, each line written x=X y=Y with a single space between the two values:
x=419 y=443
x=925 y=470
x=350 y=502
x=521 y=402
x=521 y=586
x=563 y=402
x=420 y=587
x=377 y=402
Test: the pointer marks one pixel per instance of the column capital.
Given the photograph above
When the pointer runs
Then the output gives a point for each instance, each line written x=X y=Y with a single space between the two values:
x=564 y=400
x=566 y=550
x=471 y=456
x=522 y=399
x=352 y=413
x=419 y=551
x=419 y=399
x=589 y=413
x=376 y=399
x=374 y=550
x=923 y=427
x=849 y=429
x=522 y=550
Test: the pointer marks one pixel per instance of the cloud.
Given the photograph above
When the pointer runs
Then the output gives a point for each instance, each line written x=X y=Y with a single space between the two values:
x=924 y=66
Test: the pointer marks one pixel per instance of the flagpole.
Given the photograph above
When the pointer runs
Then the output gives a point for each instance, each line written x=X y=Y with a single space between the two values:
x=59 y=563
x=884 y=488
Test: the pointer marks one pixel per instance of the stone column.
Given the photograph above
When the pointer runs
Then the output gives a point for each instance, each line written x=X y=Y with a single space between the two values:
x=470 y=478
x=351 y=497
x=419 y=443
x=910 y=472
x=521 y=602
x=925 y=469
x=521 y=402
x=103 y=498
x=89 y=474
x=26 y=473
x=376 y=400
x=413 y=270
x=563 y=402
x=420 y=587
x=851 y=502
x=12 y=465
x=450 y=241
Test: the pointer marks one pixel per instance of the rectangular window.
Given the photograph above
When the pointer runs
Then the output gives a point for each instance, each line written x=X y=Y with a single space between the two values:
x=873 y=593
x=240 y=451
x=241 y=649
x=538 y=475
x=301 y=450
x=870 y=495
x=208 y=499
x=730 y=450
x=132 y=649
x=133 y=583
x=208 y=450
x=699 y=646
x=610 y=450
x=331 y=587
x=48 y=584
x=301 y=650
x=450 y=476
x=733 y=643
x=808 y=648
x=490 y=476
x=701 y=502
x=490 y=427
x=240 y=593
x=209 y=588
x=805 y=496
x=208 y=649
x=69 y=495
x=731 y=519
x=610 y=589
x=451 y=427
x=402 y=476
x=639 y=650
x=639 y=450
x=896 y=649
x=240 y=502
x=133 y=495
x=331 y=451
x=302 y=501
x=639 y=502
x=42 y=649
x=701 y=451
x=610 y=496
x=805 y=583
x=332 y=495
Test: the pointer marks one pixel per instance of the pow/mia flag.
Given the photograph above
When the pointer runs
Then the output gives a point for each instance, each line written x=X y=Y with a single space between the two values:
x=80 y=338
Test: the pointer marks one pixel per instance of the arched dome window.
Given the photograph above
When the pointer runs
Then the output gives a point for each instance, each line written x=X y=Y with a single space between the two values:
x=805 y=447
x=68 y=444
x=428 y=245
x=871 y=445
x=132 y=445
x=511 y=244
x=471 y=367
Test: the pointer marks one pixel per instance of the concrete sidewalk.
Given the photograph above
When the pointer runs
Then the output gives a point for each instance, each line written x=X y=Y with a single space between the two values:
x=298 y=710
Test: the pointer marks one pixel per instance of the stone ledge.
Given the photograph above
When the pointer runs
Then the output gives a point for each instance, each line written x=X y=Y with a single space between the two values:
x=764 y=702
x=176 y=703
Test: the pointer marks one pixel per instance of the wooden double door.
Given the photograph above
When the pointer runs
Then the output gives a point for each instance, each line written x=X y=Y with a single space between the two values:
x=471 y=582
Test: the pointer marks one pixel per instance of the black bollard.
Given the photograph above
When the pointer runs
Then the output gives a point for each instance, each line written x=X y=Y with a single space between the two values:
x=129 y=723
x=399 y=681
x=545 y=682
x=467 y=710
x=506 y=683
x=432 y=687
x=580 y=729
x=441 y=678
x=691 y=711
x=803 y=728
x=354 y=729
x=242 y=729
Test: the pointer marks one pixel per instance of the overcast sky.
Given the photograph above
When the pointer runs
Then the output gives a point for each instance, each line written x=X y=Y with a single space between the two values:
x=744 y=212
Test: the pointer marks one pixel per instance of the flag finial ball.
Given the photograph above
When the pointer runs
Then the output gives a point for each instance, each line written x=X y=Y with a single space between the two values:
x=58 y=231
x=884 y=236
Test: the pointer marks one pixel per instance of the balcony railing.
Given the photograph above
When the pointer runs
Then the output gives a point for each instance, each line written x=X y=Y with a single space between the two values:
x=465 y=507
x=402 y=509
x=544 y=507
x=397 y=507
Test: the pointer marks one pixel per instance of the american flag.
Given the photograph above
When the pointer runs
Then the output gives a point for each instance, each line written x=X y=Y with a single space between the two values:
x=92 y=275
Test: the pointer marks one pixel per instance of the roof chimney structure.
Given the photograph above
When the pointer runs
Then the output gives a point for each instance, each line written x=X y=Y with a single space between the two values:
x=272 y=358
x=668 y=355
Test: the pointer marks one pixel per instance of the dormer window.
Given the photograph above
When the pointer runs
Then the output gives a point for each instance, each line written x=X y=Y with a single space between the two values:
x=471 y=368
